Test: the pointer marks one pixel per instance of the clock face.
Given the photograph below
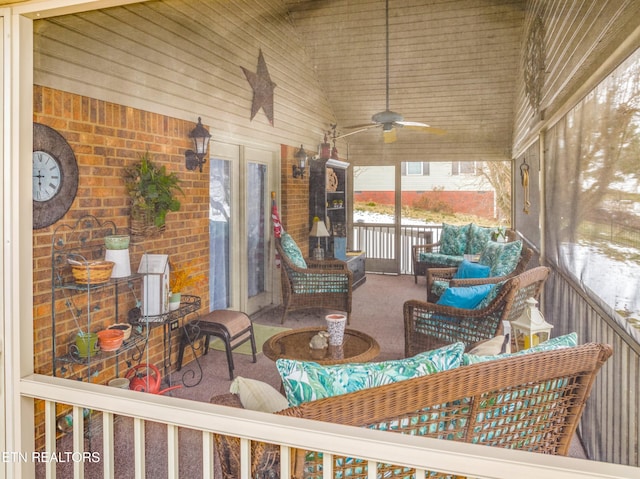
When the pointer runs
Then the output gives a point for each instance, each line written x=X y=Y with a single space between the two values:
x=55 y=176
x=47 y=176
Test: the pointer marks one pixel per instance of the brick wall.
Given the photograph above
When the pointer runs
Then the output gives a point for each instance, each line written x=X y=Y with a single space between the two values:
x=294 y=211
x=480 y=203
x=106 y=138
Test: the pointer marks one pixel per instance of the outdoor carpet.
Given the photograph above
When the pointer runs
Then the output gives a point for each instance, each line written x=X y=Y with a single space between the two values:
x=260 y=332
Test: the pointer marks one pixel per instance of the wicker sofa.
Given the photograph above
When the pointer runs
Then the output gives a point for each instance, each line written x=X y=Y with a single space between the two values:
x=432 y=255
x=531 y=402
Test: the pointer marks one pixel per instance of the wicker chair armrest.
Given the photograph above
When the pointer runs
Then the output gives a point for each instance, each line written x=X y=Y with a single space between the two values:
x=476 y=281
x=416 y=249
x=436 y=313
x=442 y=274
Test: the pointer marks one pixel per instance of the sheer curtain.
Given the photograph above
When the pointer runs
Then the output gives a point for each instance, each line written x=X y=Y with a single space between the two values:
x=592 y=190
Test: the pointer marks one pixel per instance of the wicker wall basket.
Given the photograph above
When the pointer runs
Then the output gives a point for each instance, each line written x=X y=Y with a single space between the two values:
x=143 y=226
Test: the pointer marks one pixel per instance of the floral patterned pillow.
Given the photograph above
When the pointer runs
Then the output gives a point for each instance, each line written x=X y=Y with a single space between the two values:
x=306 y=381
x=502 y=258
x=291 y=249
x=479 y=236
x=454 y=239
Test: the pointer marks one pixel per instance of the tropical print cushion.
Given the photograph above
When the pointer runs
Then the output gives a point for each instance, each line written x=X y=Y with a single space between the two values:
x=454 y=239
x=319 y=283
x=306 y=381
x=439 y=286
x=502 y=258
x=566 y=341
x=292 y=251
x=443 y=260
x=493 y=293
x=479 y=236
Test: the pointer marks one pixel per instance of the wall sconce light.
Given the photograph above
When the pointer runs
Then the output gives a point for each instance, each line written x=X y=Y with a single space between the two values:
x=301 y=159
x=201 y=137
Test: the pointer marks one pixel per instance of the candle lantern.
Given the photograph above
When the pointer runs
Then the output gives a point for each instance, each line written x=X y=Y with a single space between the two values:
x=530 y=328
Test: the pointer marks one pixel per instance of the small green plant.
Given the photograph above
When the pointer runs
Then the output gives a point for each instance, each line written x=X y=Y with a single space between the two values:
x=152 y=191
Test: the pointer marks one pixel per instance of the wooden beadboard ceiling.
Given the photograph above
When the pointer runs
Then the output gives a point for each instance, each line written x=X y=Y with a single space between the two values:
x=453 y=64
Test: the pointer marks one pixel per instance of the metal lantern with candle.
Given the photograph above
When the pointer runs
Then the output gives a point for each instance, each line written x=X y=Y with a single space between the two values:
x=530 y=328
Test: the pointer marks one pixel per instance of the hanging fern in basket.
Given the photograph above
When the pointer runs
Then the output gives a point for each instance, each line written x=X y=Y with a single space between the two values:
x=152 y=191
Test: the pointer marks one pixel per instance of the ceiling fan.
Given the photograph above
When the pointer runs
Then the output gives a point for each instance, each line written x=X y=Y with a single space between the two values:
x=390 y=120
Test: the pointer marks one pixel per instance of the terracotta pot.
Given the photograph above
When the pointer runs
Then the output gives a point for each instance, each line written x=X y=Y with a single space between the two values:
x=110 y=339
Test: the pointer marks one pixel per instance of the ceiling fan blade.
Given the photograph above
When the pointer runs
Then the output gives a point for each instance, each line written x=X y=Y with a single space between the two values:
x=362 y=126
x=359 y=129
x=389 y=136
x=414 y=125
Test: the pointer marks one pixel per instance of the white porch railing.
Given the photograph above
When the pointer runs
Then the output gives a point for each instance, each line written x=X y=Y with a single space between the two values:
x=374 y=446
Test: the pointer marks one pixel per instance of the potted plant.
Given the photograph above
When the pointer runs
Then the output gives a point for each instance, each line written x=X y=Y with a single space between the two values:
x=179 y=279
x=153 y=194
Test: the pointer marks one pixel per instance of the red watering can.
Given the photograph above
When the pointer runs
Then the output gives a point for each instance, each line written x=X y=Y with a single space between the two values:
x=146 y=378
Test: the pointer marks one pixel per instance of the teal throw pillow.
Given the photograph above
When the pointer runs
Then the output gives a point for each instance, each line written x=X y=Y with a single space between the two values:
x=502 y=258
x=566 y=341
x=467 y=269
x=454 y=239
x=479 y=236
x=305 y=381
x=464 y=297
x=290 y=248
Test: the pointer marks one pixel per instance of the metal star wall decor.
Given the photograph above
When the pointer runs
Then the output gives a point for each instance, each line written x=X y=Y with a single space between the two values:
x=262 y=89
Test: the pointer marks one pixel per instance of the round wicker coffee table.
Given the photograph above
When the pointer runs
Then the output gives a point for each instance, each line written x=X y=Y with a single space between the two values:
x=357 y=347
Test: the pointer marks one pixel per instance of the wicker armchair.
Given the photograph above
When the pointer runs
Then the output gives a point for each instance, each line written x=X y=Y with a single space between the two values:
x=323 y=284
x=481 y=403
x=446 y=274
x=429 y=326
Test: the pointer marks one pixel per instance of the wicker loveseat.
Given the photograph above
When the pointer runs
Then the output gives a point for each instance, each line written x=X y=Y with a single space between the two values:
x=444 y=254
x=531 y=402
x=313 y=284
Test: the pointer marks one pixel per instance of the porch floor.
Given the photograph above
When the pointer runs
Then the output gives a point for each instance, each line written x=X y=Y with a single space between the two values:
x=376 y=310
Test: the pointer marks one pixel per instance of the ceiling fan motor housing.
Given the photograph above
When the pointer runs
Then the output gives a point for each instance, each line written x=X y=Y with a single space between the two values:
x=387 y=117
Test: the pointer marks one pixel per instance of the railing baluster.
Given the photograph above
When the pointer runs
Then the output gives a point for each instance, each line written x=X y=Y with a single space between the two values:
x=207 y=455
x=107 y=448
x=245 y=458
x=78 y=441
x=327 y=466
x=138 y=447
x=172 y=451
x=372 y=470
x=50 y=436
x=285 y=461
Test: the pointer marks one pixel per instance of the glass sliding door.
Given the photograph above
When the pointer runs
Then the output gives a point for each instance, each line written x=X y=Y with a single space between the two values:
x=240 y=271
x=256 y=237
x=256 y=171
x=220 y=215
